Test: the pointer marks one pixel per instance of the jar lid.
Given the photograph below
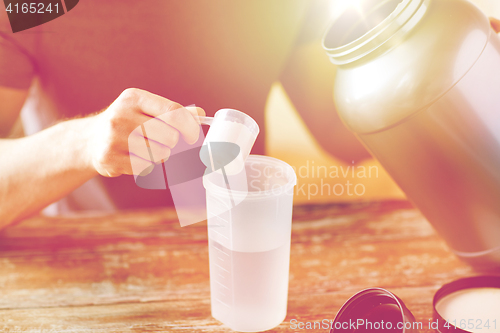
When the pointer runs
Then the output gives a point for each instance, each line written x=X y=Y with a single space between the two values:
x=468 y=305
x=374 y=310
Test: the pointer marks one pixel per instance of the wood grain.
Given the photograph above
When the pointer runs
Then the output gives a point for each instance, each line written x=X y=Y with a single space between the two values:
x=140 y=271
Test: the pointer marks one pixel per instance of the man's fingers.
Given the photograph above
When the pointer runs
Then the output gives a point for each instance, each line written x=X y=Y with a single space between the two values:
x=146 y=149
x=138 y=130
x=137 y=146
x=154 y=105
x=148 y=103
x=184 y=122
x=196 y=111
x=173 y=114
x=157 y=130
x=495 y=24
x=137 y=166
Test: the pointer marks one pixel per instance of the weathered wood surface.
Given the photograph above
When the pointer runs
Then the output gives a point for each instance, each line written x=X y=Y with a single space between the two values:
x=140 y=271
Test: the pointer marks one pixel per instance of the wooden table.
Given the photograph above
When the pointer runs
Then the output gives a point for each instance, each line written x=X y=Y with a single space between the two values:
x=140 y=271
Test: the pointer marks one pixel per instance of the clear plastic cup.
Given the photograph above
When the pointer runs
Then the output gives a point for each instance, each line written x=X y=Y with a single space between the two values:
x=232 y=126
x=249 y=244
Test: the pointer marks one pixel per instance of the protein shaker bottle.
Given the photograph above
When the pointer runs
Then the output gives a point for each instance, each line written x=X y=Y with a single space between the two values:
x=418 y=81
x=249 y=244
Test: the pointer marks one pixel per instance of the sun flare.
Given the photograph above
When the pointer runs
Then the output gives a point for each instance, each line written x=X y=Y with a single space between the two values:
x=337 y=7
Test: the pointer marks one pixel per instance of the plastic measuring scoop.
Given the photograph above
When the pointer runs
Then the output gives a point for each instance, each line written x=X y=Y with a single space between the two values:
x=249 y=244
x=206 y=120
x=233 y=127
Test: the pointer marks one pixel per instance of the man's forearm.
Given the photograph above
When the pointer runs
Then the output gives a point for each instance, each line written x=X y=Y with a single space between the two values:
x=42 y=168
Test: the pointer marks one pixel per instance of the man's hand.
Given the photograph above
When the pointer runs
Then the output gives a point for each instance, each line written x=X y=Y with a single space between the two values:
x=42 y=168
x=118 y=136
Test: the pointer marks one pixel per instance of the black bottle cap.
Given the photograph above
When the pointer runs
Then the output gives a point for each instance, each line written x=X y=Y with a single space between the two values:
x=374 y=310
